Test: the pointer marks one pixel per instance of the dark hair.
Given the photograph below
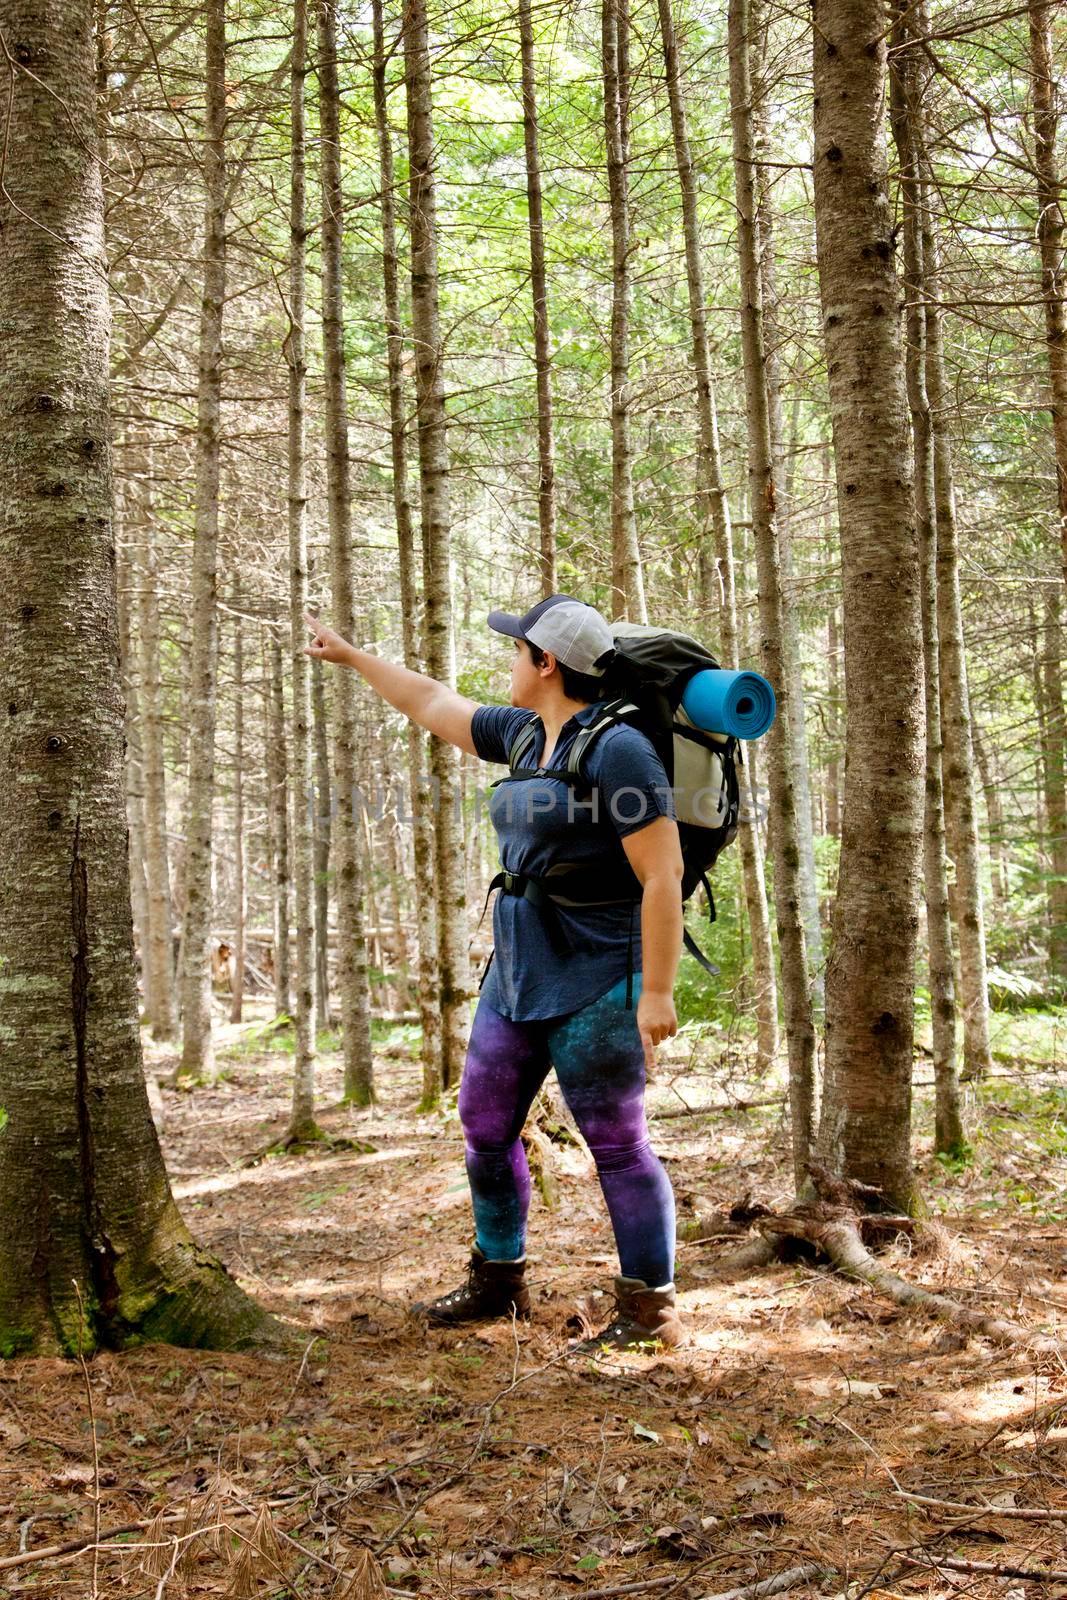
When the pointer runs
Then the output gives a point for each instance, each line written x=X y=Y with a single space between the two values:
x=576 y=685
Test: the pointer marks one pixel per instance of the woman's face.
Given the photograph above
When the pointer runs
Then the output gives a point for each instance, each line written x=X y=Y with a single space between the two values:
x=527 y=680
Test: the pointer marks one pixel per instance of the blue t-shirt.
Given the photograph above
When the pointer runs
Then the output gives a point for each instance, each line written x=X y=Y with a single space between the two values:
x=539 y=822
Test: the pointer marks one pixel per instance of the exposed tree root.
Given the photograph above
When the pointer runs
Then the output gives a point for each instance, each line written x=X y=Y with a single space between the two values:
x=838 y=1227
x=838 y=1239
x=311 y=1136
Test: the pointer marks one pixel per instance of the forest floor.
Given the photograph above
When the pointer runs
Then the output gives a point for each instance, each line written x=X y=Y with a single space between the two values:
x=787 y=1435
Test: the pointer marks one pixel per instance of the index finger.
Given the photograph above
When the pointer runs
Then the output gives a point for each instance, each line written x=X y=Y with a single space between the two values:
x=313 y=622
x=650 y=1053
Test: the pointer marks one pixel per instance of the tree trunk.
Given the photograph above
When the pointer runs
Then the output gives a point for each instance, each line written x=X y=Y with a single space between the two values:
x=783 y=835
x=198 y=1054
x=134 y=788
x=84 y=1196
x=546 y=450
x=422 y=818
x=1055 y=743
x=864 y=1131
x=302 y=1118
x=716 y=512
x=240 y=896
x=1050 y=227
x=790 y=646
x=998 y=856
x=157 y=867
x=627 y=579
x=278 y=820
x=907 y=111
x=433 y=474
x=323 y=831
x=961 y=810
x=351 y=947
x=833 y=766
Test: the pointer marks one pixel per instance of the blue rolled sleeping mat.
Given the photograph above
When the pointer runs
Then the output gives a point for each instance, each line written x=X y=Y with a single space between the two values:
x=720 y=701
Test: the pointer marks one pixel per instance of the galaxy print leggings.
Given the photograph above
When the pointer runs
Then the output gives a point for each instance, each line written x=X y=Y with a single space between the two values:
x=600 y=1065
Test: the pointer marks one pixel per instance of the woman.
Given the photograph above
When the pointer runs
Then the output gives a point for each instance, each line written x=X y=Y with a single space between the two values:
x=558 y=989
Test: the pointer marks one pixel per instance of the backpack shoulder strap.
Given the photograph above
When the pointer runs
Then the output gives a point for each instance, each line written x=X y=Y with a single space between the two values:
x=610 y=713
x=522 y=741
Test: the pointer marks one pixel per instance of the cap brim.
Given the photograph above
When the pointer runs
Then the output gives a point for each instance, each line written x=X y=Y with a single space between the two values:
x=504 y=622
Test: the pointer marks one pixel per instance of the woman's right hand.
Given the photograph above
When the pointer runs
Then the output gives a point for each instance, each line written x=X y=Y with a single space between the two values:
x=325 y=644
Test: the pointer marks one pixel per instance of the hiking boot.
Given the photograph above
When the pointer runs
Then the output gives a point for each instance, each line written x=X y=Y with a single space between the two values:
x=643 y=1317
x=492 y=1289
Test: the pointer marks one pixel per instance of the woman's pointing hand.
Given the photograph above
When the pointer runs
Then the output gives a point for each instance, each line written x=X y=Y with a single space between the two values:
x=326 y=645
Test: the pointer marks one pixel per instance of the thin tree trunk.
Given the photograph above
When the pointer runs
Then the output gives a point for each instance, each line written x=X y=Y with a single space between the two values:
x=627 y=579
x=302 y=1117
x=998 y=857
x=1050 y=229
x=906 y=99
x=240 y=895
x=961 y=809
x=716 y=512
x=198 y=1054
x=351 y=947
x=434 y=478
x=1055 y=763
x=422 y=819
x=157 y=866
x=833 y=766
x=85 y=1205
x=134 y=789
x=278 y=818
x=546 y=450
x=791 y=662
x=783 y=832
x=323 y=829
x=865 y=1127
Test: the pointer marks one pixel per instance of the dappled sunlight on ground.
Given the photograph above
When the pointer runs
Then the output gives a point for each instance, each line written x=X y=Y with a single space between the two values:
x=490 y=1463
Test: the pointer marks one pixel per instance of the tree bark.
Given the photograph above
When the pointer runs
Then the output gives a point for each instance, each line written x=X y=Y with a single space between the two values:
x=302 y=1117
x=278 y=821
x=833 y=687
x=961 y=810
x=198 y=1054
x=783 y=831
x=627 y=578
x=134 y=787
x=865 y=1127
x=1050 y=228
x=1054 y=764
x=351 y=946
x=434 y=477
x=998 y=856
x=84 y=1195
x=715 y=510
x=907 y=90
x=421 y=811
x=791 y=662
x=323 y=821
x=546 y=450
x=157 y=866
x=240 y=895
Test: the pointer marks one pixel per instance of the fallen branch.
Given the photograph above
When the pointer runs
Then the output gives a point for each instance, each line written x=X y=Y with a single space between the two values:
x=646 y=1585
x=992 y=1568
x=713 y=1110
x=790 y=1579
x=73 y=1547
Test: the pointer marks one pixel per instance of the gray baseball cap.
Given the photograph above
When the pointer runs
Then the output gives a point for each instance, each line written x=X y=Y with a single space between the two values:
x=575 y=633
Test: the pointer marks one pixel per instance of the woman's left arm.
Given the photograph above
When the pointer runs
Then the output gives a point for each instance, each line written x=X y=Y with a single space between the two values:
x=655 y=854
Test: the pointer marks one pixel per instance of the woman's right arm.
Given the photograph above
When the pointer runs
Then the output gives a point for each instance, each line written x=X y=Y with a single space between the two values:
x=431 y=704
